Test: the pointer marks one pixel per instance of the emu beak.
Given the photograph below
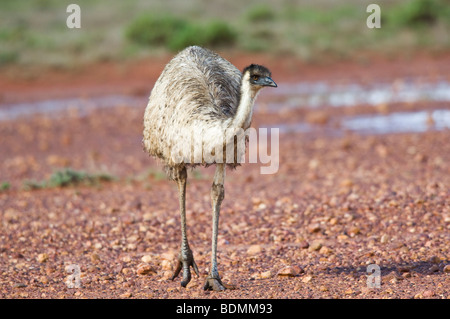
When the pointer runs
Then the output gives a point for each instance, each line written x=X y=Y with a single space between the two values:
x=267 y=81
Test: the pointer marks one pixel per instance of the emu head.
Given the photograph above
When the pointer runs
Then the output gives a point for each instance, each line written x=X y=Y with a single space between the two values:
x=258 y=76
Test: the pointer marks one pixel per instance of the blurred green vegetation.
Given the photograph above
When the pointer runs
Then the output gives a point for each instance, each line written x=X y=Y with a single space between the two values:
x=176 y=33
x=35 y=32
x=260 y=13
x=4 y=186
x=419 y=14
x=69 y=177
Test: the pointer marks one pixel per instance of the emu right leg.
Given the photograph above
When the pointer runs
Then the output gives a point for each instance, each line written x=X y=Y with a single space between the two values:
x=213 y=280
x=185 y=258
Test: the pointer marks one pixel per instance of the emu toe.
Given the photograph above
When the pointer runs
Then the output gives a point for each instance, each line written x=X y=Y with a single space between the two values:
x=185 y=264
x=214 y=284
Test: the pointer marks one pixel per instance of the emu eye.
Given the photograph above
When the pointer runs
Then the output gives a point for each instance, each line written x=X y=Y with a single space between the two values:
x=255 y=78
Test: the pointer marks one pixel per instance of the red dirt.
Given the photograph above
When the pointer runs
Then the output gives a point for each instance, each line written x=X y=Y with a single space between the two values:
x=18 y=84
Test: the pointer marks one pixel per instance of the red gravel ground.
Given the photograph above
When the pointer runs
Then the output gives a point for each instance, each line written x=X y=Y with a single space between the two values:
x=337 y=204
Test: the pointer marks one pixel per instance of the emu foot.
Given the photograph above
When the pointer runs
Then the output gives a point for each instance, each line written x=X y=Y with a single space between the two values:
x=185 y=261
x=214 y=283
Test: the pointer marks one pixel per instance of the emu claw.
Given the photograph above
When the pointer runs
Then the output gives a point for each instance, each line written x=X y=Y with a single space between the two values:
x=214 y=284
x=185 y=264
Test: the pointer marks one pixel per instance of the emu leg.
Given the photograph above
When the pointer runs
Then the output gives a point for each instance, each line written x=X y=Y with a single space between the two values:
x=185 y=258
x=217 y=195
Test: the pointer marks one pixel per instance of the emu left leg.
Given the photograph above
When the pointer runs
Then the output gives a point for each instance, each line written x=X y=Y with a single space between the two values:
x=217 y=195
x=185 y=258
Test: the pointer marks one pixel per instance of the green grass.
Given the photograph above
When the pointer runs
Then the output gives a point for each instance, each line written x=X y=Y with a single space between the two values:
x=4 y=186
x=260 y=13
x=152 y=29
x=34 y=32
x=419 y=14
x=152 y=173
x=176 y=33
x=69 y=177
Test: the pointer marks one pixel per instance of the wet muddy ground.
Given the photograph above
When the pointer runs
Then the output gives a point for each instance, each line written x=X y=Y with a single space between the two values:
x=363 y=180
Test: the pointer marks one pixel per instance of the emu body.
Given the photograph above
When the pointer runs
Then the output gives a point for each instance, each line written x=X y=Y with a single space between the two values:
x=200 y=95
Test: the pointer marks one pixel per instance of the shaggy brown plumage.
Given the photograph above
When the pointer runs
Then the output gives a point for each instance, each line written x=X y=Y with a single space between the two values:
x=200 y=105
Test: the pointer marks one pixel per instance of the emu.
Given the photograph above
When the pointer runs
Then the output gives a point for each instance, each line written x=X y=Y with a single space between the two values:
x=199 y=91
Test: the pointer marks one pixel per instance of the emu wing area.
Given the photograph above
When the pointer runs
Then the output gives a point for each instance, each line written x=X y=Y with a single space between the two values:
x=197 y=91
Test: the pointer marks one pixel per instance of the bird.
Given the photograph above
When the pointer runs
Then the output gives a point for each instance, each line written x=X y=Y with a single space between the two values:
x=199 y=95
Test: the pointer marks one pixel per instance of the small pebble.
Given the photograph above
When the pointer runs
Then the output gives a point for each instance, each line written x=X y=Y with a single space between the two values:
x=325 y=250
x=290 y=271
x=347 y=183
x=315 y=245
x=304 y=244
x=349 y=291
x=126 y=295
x=384 y=239
x=166 y=275
x=435 y=260
x=434 y=268
x=306 y=279
x=254 y=250
x=126 y=259
x=42 y=258
x=147 y=217
x=126 y=271
x=404 y=268
x=262 y=206
x=145 y=269
x=44 y=280
x=19 y=285
x=354 y=231
x=333 y=221
x=166 y=264
x=314 y=228
x=168 y=256
x=391 y=277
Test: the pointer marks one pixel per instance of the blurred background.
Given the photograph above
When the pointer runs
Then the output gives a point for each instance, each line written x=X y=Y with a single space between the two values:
x=35 y=32
x=335 y=74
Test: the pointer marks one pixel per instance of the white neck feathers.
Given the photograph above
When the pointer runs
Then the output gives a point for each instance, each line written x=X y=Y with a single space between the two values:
x=244 y=110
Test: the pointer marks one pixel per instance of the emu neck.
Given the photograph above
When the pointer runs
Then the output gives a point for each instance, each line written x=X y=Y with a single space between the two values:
x=247 y=99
